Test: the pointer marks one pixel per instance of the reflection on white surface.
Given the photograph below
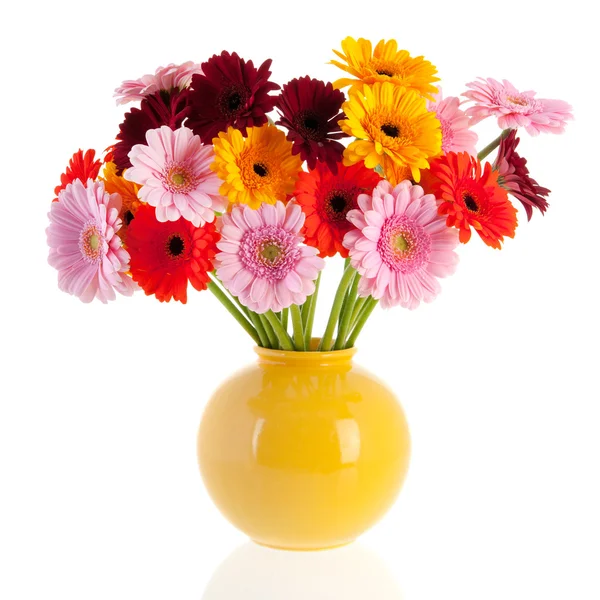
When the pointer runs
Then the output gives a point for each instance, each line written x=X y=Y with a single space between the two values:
x=256 y=573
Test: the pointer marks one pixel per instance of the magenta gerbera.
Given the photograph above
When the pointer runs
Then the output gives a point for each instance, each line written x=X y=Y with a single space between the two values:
x=164 y=78
x=230 y=93
x=515 y=109
x=513 y=176
x=401 y=245
x=156 y=110
x=173 y=168
x=456 y=135
x=84 y=246
x=310 y=110
x=262 y=260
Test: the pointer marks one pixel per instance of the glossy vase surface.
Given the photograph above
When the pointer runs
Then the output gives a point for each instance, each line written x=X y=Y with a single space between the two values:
x=303 y=450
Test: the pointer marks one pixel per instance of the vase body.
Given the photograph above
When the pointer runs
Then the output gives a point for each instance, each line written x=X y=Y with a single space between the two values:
x=303 y=450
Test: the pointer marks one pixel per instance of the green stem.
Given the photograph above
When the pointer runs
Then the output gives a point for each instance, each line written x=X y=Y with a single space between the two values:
x=284 y=318
x=325 y=344
x=493 y=145
x=362 y=319
x=262 y=334
x=297 y=323
x=285 y=341
x=346 y=314
x=273 y=342
x=230 y=306
x=357 y=308
x=310 y=313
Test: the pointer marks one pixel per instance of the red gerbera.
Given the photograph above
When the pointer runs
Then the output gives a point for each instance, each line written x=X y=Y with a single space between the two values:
x=471 y=198
x=230 y=92
x=513 y=176
x=156 y=110
x=310 y=109
x=165 y=256
x=326 y=198
x=81 y=166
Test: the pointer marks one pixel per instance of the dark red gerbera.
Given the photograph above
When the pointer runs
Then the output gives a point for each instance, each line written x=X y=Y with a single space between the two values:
x=81 y=166
x=513 y=176
x=326 y=198
x=161 y=108
x=165 y=256
x=310 y=110
x=230 y=92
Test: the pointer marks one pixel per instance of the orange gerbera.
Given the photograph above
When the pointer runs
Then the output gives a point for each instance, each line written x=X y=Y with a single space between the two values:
x=326 y=198
x=471 y=198
x=81 y=166
x=128 y=191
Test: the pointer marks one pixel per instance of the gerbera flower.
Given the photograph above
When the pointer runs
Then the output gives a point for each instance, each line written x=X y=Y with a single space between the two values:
x=456 y=135
x=516 y=109
x=128 y=190
x=326 y=198
x=84 y=247
x=385 y=63
x=262 y=260
x=230 y=93
x=513 y=176
x=81 y=166
x=393 y=125
x=400 y=245
x=165 y=256
x=257 y=169
x=156 y=110
x=173 y=168
x=310 y=110
x=164 y=78
x=471 y=197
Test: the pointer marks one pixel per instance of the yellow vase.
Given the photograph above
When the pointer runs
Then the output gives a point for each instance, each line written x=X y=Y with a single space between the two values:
x=303 y=450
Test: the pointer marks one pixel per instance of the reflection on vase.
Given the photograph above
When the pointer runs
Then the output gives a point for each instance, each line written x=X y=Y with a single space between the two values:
x=253 y=572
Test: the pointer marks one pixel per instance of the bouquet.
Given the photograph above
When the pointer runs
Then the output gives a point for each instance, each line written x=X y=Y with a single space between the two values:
x=224 y=180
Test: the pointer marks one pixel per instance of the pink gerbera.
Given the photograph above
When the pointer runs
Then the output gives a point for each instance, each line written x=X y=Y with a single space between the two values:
x=262 y=260
x=84 y=245
x=456 y=135
x=174 y=171
x=516 y=109
x=401 y=245
x=165 y=78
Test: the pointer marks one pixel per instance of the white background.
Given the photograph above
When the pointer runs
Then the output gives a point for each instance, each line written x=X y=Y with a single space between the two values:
x=99 y=491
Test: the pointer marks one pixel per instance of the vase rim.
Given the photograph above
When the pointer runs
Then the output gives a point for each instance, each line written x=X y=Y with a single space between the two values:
x=298 y=357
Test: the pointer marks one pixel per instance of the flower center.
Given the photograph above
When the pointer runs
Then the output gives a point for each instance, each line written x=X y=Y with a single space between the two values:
x=128 y=217
x=260 y=169
x=470 y=202
x=175 y=246
x=403 y=244
x=269 y=252
x=308 y=125
x=337 y=203
x=178 y=177
x=232 y=100
x=91 y=243
x=517 y=100
x=384 y=72
x=390 y=130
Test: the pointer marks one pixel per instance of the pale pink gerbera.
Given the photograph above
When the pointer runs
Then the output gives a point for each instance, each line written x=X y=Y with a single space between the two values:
x=174 y=172
x=165 y=78
x=84 y=245
x=456 y=135
x=516 y=109
x=262 y=260
x=401 y=245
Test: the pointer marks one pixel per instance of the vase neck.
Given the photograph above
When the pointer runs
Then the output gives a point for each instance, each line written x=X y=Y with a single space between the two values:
x=308 y=359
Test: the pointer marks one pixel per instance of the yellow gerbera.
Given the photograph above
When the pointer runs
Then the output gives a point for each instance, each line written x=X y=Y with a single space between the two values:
x=391 y=124
x=128 y=190
x=256 y=169
x=385 y=63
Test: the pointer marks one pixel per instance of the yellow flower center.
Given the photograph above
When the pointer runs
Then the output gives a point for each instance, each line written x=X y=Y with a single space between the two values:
x=390 y=130
x=401 y=243
x=256 y=170
x=517 y=100
x=386 y=68
x=271 y=252
x=178 y=178
x=94 y=242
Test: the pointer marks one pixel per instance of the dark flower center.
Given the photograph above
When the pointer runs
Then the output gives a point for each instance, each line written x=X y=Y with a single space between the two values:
x=175 y=246
x=311 y=123
x=470 y=203
x=232 y=100
x=308 y=125
x=260 y=169
x=384 y=72
x=337 y=204
x=128 y=217
x=390 y=130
